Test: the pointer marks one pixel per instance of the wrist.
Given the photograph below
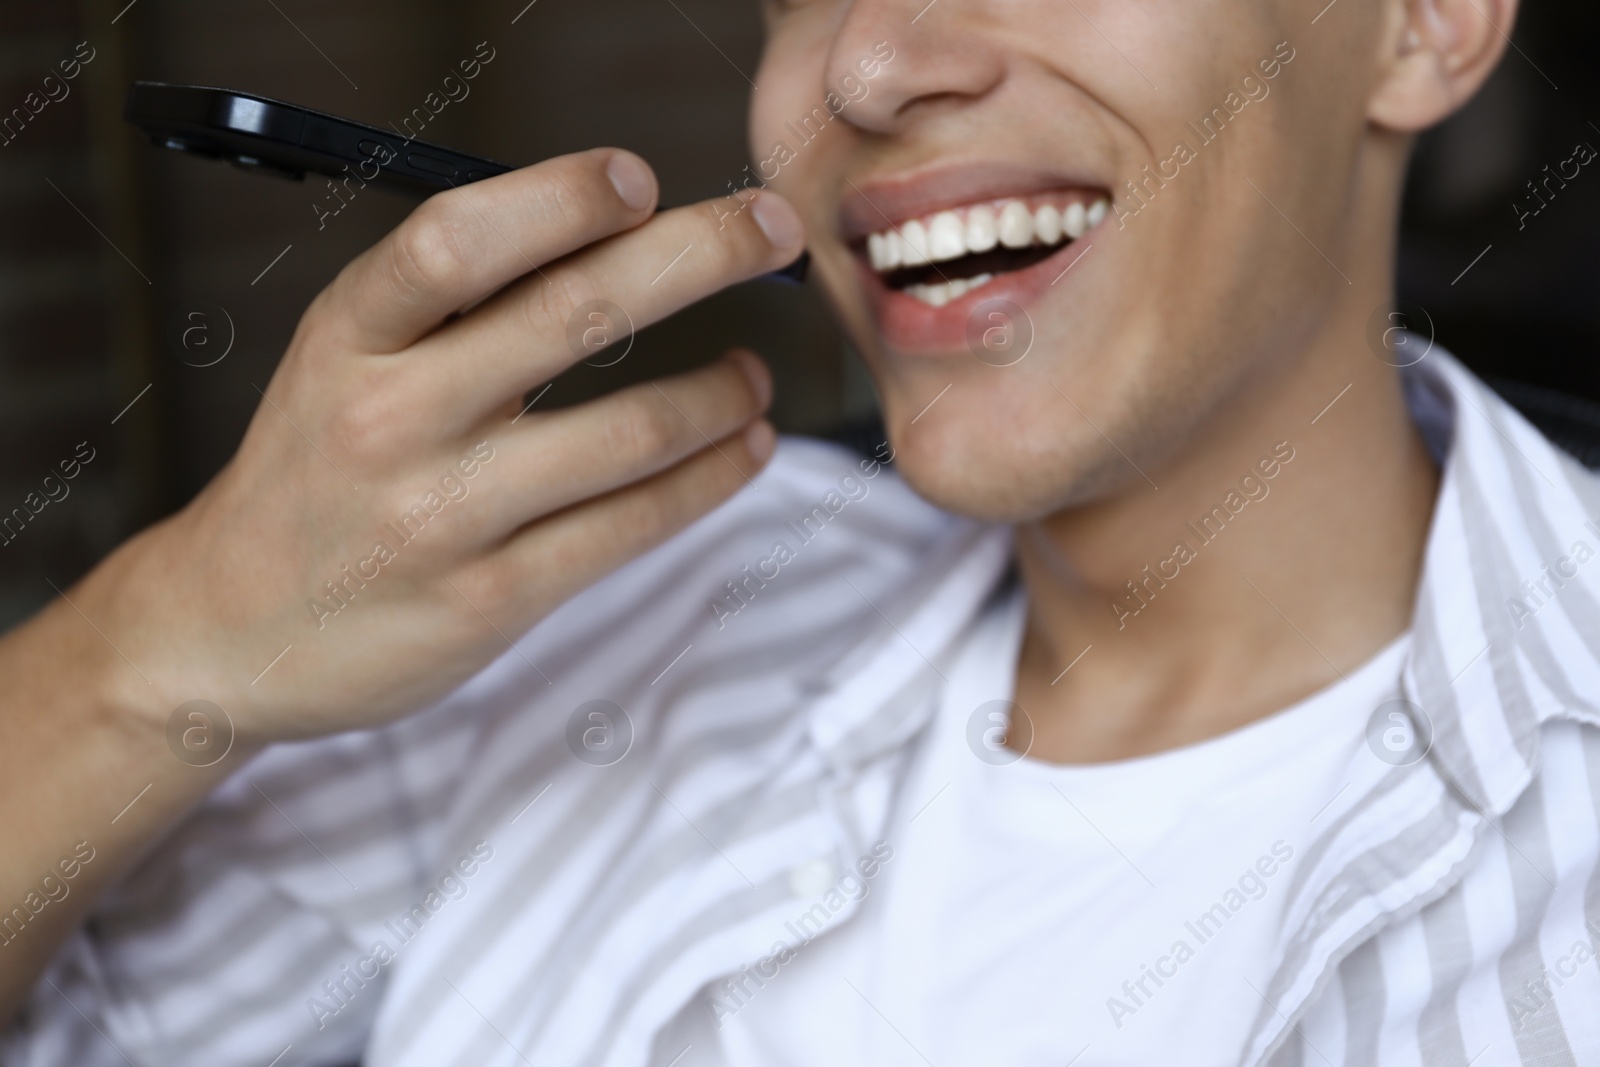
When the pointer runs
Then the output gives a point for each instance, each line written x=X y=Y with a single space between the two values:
x=94 y=638
x=114 y=666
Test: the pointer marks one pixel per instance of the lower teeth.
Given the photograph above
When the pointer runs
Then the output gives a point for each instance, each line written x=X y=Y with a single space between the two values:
x=941 y=293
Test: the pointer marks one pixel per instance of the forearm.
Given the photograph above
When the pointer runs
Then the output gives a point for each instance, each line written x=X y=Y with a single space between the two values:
x=87 y=778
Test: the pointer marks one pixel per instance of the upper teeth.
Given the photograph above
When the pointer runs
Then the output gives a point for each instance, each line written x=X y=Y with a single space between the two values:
x=952 y=234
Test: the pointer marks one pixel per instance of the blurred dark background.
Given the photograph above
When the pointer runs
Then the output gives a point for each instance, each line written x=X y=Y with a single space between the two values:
x=110 y=244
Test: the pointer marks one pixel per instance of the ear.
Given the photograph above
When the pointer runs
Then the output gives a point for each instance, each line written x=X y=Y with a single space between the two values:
x=1436 y=55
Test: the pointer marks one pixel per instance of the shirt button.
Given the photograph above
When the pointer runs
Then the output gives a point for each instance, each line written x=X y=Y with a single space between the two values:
x=812 y=878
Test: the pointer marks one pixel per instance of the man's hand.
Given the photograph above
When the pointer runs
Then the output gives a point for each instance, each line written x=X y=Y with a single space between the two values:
x=392 y=518
x=388 y=515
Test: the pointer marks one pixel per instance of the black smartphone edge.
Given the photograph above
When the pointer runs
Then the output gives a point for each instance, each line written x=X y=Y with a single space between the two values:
x=288 y=140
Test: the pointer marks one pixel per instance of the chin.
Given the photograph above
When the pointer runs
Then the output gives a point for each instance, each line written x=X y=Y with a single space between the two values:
x=988 y=458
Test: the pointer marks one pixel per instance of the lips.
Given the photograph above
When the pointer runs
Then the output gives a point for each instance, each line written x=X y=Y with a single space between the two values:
x=928 y=264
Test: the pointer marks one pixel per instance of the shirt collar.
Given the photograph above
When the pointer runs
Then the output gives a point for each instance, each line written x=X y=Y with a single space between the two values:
x=1507 y=621
x=1505 y=637
x=878 y=696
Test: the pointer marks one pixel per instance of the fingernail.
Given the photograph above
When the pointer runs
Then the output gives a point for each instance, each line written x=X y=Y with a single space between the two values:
x=778 y=220
x=759 y=439
x=632 y=180
x=756 y=371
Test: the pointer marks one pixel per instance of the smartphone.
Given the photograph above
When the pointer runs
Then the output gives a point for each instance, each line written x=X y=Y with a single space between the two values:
x=290 y=141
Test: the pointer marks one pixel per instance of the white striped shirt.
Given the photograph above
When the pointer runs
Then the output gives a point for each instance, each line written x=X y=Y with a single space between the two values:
x=534 y=907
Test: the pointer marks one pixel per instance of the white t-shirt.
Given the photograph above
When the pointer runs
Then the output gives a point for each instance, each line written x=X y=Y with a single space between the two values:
x=1034 y=913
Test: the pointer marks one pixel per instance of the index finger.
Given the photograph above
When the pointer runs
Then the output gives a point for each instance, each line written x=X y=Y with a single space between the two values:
x=461 y=245
x=524 y=334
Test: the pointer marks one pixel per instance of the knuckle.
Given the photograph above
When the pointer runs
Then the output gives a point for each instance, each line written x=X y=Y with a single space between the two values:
x=557 y=295
x=318 y=320
x=639 y=430
x=731 y=253
x=426 y=254
x=363 y=426
x=567 y=198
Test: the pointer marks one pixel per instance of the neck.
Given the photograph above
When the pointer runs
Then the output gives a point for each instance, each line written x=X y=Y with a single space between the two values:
x=1278 y=553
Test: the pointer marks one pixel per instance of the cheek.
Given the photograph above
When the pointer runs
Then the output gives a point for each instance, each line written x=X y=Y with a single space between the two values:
x=791 y=74
x=782 y=77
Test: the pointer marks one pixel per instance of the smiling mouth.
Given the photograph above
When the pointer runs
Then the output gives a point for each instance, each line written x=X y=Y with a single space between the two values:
x=940 y=257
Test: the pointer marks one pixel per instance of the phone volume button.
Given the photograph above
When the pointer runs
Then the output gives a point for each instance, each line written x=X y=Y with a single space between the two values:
x=431 y=164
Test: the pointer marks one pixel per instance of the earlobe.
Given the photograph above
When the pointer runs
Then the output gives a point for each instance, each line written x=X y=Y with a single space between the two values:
x=1438 y=57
